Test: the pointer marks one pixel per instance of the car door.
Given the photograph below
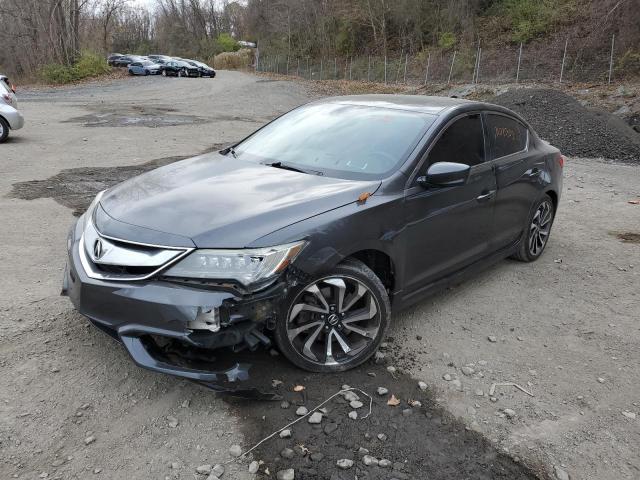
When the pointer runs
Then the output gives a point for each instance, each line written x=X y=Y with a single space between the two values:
x=518 y=170
x=450 y=227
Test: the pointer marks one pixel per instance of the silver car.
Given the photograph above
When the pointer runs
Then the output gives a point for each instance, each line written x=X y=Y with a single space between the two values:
x=10 y=117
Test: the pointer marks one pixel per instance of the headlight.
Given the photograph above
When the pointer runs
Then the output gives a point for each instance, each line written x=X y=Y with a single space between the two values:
x=247 y=266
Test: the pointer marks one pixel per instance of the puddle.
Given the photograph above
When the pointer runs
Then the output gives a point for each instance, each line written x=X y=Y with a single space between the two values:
x=423 y=442
x=136 y=116
x=75 y=188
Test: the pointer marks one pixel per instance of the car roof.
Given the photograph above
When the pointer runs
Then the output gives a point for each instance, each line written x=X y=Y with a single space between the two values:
x=416 y=103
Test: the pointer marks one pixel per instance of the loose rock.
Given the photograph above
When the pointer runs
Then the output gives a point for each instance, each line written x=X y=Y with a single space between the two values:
x=204 y=469
x=447 y=377
x=356 y=404
x=254 y=467
x=172 y=422
x=422 y=386
x=344 y=463
x=235 y=450
x=353 y=415
x=509 y=413
x=89 y=440
x=369 y=460
x=302 y=411
x=382 y=391
x=288 y=474
x=217 y=470
x=384 y=463
x=315 y=418
x=492 y=339
x=468 y=371
x=286 y=433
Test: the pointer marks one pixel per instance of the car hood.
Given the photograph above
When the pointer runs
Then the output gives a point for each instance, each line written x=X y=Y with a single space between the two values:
x=220 y=202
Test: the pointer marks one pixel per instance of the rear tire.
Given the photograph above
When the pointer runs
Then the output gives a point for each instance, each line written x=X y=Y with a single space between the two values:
x=337 y=321
x=4 y=129
x=146 y=72
x=537 y=231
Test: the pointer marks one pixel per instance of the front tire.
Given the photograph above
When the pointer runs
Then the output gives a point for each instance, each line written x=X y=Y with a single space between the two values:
x=4 y=129
x=146 y=72
x=337 y=321
x=538 y=230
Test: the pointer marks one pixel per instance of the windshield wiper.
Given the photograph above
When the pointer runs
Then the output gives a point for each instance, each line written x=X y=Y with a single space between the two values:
x=229 y=150
x=284 y=167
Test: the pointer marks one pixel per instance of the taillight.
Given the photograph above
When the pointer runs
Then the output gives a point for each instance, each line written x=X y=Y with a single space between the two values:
x=561 y=160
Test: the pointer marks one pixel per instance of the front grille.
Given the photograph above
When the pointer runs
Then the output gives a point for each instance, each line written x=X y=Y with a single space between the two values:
x=108 y=258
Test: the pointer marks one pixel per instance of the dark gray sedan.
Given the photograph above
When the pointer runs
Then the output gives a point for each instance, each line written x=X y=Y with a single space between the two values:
x=311 y=232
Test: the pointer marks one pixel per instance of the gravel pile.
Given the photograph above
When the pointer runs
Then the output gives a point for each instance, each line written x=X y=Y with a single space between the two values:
x=575 y=129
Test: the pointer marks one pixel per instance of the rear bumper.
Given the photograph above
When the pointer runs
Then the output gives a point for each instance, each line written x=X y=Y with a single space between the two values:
x=152 y=319
x=12 y=116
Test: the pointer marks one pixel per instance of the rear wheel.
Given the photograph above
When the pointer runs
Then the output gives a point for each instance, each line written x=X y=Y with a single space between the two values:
x=337 y=321
x=538 y=230
x=146 y=72
x=164 y=73
x=180 y=73
x=4 y=129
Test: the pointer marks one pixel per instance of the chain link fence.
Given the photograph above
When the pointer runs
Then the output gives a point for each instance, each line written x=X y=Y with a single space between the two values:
x=520 y=63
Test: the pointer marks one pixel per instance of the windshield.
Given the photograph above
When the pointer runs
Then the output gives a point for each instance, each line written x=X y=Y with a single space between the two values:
x=338 y=140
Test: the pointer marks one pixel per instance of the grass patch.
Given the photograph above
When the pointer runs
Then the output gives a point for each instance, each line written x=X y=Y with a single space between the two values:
x=88 y=65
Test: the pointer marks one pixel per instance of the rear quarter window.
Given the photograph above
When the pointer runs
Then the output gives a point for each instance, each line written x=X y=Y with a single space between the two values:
x=506 y=135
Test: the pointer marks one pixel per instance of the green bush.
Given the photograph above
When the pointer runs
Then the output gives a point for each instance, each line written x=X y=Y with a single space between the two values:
x=88 y=65
x=226 y=43
x=446 y=40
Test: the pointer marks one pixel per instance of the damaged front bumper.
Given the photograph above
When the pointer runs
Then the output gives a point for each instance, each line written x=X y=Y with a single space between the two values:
x=161 y=323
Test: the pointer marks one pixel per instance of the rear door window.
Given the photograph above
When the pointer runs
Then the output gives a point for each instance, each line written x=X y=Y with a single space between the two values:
x=506 y=135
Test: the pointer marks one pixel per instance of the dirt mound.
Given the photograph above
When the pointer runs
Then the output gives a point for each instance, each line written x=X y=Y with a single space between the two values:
x=575 y=129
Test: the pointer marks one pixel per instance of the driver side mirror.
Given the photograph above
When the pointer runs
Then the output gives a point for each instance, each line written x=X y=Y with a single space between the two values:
x=445 y=174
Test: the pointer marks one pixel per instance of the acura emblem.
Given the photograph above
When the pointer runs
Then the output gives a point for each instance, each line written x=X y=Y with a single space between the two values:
x=98 y=251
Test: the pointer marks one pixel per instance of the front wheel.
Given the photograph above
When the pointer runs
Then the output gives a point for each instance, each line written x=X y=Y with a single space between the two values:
x=4 y=129
x=538 y=230
x=146 y=72
x=180 y=73
x=164 y=73
x=337 y=321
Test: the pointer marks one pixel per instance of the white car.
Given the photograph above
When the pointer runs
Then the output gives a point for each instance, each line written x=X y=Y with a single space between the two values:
x=10 y=117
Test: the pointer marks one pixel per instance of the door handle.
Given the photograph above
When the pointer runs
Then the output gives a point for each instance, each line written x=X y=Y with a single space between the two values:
x=486 y=196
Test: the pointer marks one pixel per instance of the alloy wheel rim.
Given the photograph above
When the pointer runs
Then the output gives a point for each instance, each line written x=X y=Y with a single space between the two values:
x=540 y=228
x=333 y=320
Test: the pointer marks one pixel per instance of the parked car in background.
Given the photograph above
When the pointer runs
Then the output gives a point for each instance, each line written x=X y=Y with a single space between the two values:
x=159 y=58
x=311 y=231
x=111 y=59
x=125 y=60
x=204 y=69
x=10 y=117
x=179 y=68
x=145 y=67
x=5 y=79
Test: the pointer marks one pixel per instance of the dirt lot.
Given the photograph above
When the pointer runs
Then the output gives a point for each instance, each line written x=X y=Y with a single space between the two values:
x=72 y=404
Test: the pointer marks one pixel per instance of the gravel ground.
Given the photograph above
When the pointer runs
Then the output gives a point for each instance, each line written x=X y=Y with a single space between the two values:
x=72 y=405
